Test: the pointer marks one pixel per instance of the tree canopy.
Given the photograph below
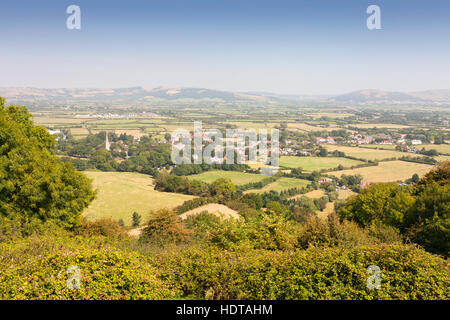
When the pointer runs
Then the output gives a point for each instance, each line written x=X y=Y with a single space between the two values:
x=34 y=183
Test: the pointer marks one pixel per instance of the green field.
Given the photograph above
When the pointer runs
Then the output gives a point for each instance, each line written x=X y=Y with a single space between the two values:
x=238 y=178
x=316 y=163
x=282 y=184
x=122 y=193
x=388 y=171
x=441 y=148
x=379 y=146
x=367 y=154
x=380 y=126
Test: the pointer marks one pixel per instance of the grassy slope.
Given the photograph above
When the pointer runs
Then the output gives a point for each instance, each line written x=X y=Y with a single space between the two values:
x=238 y=178
x=122 y=193
x=316 y=163
x=388 y=171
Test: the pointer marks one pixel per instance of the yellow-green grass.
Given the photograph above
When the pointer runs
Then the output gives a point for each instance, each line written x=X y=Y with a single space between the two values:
x=238 y=178
x=379 y=146
x=366 y=153
x=252 y=125
x=344 y=194
x=307 y=127
x=79 y=131
x=122 y=193
x=315 y=194
x=316 y=163
x=335 y=115
x=441 y=148
x=328 y=210
x=442 y=158
x=131 y=132
x=380 y=126
x=282 y=184
x=388 y=171
x=57 y=120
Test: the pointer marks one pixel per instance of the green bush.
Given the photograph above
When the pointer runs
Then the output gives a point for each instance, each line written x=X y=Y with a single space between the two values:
x=408 y=272
x=36 y=268
x=34 y=183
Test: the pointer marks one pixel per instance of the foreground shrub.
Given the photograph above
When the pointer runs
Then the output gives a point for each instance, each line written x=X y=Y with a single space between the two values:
x=36 y=268
x=408 y=272
x=165 y=227
x=103 y=227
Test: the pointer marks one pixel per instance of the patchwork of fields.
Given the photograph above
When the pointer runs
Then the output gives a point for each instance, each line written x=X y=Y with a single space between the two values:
x=122 y=193
x=316 y=163
x=388 y=171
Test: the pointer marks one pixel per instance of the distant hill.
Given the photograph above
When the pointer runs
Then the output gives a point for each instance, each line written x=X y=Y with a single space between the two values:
x=136 y=95
x=380 y=97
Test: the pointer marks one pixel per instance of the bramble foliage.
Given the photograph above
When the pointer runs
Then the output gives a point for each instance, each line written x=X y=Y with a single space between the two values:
x=421 y=213
x=34 y=183
x=36 y=268
x=385 y=203
x=314 y=273
x=165 y=227
x=103 y=227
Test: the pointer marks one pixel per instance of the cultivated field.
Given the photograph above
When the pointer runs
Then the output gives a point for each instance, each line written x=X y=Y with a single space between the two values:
x=335 y=115
x=315 y=194
x=344 y=194
x=122 y=193
x=316 y=163
x=238 y=178
x=441 y=148
x=282 y=184
x=216 y=209
x=379 y=146
x=388 y=171
x=380 y=126
x=365 y=153
x=307 y=127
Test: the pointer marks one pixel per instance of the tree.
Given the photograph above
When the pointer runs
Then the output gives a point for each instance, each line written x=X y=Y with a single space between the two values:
x=223 y=187
x=165 y=227
x=428 y=221
x=415 y=178
x=136 y=219
x=379 y=203
x=34 y=183
x=323 y=152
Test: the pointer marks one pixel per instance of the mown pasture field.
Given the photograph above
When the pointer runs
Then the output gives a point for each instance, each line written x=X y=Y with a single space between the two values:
x=309 y=128
x=441 y=148
x=316 y=163
x=122 y=193
x=238 y=178
x=282 y=184
x=388 y=171
x=379 y=146
x=365 y=153
x=380 y=126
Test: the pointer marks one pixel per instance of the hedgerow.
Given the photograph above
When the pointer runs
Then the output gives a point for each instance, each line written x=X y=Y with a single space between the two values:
x=36 y=268
x=407 y=272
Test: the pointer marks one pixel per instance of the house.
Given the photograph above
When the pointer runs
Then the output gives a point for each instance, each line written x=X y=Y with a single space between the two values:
x=325 y=180
x=416 y=141
x=364 y=184
x=330 y=140
x=320 y=140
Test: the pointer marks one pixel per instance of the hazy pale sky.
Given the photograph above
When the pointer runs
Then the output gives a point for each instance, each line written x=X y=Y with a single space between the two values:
x=300 y=47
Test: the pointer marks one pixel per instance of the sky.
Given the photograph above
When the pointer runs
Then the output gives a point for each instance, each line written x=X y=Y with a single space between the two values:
x=280 y=46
